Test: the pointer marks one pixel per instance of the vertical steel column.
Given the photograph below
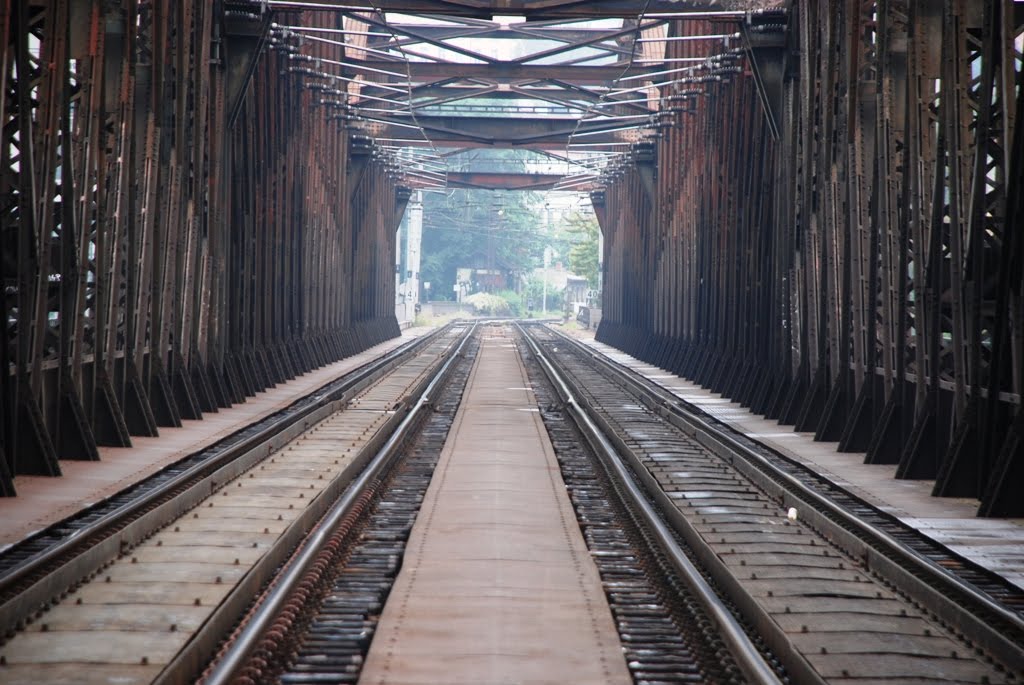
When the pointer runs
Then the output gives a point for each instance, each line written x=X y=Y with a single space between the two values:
x=866 y=261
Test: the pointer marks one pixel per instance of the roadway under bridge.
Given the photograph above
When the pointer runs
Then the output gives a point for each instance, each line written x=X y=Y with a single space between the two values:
x=814 y=208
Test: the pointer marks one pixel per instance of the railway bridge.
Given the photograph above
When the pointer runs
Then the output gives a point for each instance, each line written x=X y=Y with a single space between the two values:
x=811 y=210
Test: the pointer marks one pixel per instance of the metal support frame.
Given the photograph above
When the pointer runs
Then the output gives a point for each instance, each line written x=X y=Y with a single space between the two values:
x=850 y=262
x=816 y=218
x=176 y=230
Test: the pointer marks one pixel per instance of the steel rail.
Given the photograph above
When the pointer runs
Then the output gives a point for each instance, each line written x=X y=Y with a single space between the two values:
x=747 y=656
x=240 y=649
x=867 y=532
x=110 y=523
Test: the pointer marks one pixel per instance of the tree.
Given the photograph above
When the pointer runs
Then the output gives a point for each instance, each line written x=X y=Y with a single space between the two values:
x=477 y=229
x=583 y=257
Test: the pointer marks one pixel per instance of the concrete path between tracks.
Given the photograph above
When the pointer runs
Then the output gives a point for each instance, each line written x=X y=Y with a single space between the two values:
x=497 y=585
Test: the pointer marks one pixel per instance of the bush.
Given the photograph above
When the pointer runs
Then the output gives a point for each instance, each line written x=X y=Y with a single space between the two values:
x=489 y=304
x=514 y=300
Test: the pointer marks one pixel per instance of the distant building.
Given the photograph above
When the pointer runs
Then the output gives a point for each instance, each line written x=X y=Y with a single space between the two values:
x=577 y=290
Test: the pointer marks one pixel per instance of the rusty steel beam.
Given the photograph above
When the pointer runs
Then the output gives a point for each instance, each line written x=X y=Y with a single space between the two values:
x=495 y=131
x=531 y=9
x=509 y=181
x=503 y=72
x=824 y=232
x=850 y=270
x=167 y=249
x=578 y=99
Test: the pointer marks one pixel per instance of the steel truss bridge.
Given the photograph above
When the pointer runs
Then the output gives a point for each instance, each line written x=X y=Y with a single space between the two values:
x=814 y=208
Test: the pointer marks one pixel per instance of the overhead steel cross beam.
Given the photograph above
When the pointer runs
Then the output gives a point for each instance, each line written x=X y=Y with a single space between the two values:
x=446 y=91
x=530 y=9
x=506 y=72
x=456 y=90
x=509 y=181
x=462 y=131
x=435 y=76
x=570 y=38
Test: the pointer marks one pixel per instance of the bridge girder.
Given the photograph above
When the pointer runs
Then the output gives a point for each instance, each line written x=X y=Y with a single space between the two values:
x=176 y=239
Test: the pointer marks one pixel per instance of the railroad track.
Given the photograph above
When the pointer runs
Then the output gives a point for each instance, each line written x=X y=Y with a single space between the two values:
x=836 y=595
x=317 y=622
x=147 y=590
x=35 y=570
x=320 y=623
x=706 y=577
x=667 y=635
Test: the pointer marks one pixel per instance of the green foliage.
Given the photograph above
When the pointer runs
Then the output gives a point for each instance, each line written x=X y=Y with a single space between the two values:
x=583 y=257
x=489 y=304
x=507 y=231
x=533 y=294
x=477 y=229
x=514 y=302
